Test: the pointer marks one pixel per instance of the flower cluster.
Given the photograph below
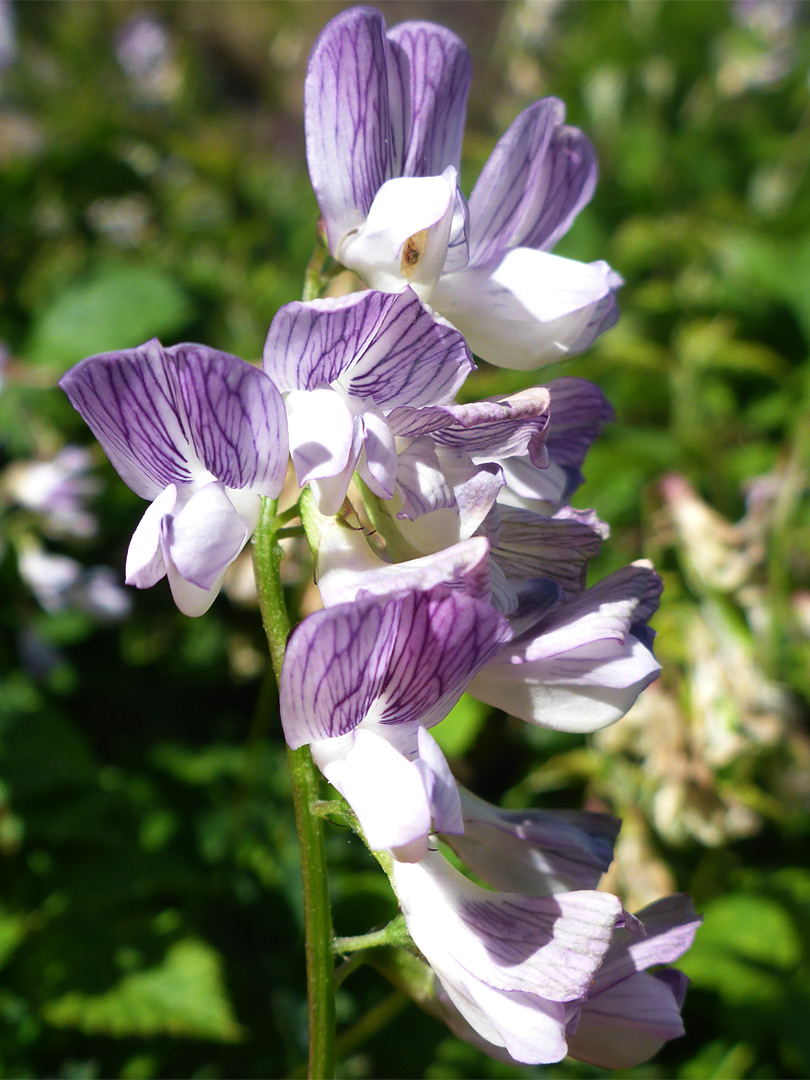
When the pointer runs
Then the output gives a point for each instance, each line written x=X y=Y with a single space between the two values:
x=448 y=558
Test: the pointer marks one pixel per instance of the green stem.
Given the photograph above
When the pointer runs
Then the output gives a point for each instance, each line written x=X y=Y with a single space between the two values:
x=305 y=791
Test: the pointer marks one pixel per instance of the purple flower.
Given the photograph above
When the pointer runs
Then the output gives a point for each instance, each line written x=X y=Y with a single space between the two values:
x=57 y=489
x=343 y=365
x=509 y=963
x=629 y=1012
x=538 y=852
x=384 y=122
x=578 y=664
x=363 y=681
x=368 y=381
x=203 y=436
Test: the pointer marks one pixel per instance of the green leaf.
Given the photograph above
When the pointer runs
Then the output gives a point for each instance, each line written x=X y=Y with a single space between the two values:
x=114 y=307
x=184 y=997
x=745 y=950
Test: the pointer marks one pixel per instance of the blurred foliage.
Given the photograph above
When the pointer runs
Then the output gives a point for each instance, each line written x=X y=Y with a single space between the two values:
x=153 y=183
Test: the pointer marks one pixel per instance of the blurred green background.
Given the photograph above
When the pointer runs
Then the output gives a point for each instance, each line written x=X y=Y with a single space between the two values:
x=152 y=182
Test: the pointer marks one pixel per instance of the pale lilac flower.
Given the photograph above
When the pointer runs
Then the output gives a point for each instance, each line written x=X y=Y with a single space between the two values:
x=367 y=376
x=57 y=489
x=60 y=583
x=202 y=435
x=509 y=963
x=538 y=852
x=343 y=364
x=580 y=663
x=384 y=123
x=363 y=681
x=629 y=1012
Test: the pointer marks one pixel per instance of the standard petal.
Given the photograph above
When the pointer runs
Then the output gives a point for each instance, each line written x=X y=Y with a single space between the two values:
x=129 y=400
x=381 y=346
x=356 y=117
x=235 y=418
x=560 y=547
x=145 y=562
x=405 y=659
x=538 y=178
x=546 y=946
x=628 y=1024
x=335 y=667
x=440 y=70
x=205 y=536
x=531 y=309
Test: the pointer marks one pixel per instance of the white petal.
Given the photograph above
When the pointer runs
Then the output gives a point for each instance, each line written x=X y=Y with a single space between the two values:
x=385 y=790
x=321 y=428
x=532 y=309
x=405 y=237
x=145 y=563
x=205 y=536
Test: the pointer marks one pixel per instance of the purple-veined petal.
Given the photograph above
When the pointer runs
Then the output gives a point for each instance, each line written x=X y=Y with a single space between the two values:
x=538 y=178
x=579 y=411
x=145 y=562
x=559 y=547
x=356 y=117
x=627 y=1024
x=383 y=347
x=235 y=418
x=310 y=344
x=129 y=401
x=169 y=416
x=670 y=925
x=404 y=239
x=415 y=359
x=531 y=309
x=583 y=664
x=324 y=436
x=440 y=72
x=537 y=852
x=396 y=660
x=335 y=667
x=443 y=638
x=503 y=428
x=547 y=946
x=206 y=535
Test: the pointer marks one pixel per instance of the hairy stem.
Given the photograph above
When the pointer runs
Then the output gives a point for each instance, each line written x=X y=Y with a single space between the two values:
x=305 y=782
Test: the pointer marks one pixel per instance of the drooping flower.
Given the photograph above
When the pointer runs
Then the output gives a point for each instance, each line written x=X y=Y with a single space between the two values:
x=508 y=962
x=630 y=1012
x=362 y=682
x=203 y=436
x=538 y=852
x=576 y=664
x=384 y=123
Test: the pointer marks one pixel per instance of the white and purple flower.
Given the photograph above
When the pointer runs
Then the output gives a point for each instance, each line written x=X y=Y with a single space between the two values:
x=203 y=436
x=384 y=124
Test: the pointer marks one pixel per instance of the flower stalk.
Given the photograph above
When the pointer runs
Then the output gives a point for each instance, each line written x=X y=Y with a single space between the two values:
x=304 y=780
